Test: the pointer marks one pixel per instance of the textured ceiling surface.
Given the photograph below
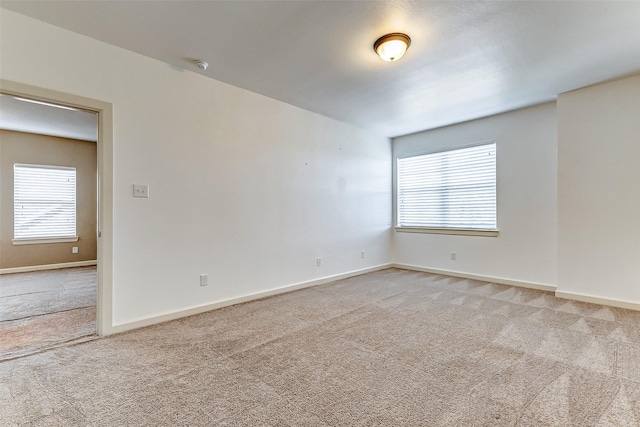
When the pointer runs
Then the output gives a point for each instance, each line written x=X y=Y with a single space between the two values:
x=467 y=59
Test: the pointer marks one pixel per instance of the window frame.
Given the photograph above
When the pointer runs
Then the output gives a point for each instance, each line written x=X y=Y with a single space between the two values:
x=46 y=239
x=444 y=230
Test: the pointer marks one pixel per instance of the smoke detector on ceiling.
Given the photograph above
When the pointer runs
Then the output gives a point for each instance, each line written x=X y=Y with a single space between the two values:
x=201 y=64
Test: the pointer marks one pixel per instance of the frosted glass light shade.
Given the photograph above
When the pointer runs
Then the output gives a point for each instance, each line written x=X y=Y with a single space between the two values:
x=392 y=47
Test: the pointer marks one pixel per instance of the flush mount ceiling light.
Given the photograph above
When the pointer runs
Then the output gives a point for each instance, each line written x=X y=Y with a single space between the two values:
x=391 y=47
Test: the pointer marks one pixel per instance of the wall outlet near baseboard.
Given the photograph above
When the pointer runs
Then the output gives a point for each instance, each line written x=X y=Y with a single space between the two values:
x=361 y=254
x=204 y=280
x=453 y=256
x=74 y=250
x=318 y=262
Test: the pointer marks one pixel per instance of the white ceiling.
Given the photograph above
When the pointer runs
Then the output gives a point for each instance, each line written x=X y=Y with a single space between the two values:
x=467 y=59
x=40 y=119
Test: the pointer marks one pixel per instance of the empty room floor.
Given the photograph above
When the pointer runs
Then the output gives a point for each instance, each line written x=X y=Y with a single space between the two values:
x=42 y=309
x=394 y=347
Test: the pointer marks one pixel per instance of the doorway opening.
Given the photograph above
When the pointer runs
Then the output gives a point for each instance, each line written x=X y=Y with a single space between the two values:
x=56 y=218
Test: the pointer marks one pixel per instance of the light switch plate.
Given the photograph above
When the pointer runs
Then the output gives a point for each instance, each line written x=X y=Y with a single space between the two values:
x=140 y=190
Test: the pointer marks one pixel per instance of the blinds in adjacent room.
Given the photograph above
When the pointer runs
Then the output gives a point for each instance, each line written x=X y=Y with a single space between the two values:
x=44 y=202
x=453 y=189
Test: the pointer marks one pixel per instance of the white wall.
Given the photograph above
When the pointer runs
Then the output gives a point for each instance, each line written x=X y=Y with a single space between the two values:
x=599 y=191
x=245 y=188
x=526 y=248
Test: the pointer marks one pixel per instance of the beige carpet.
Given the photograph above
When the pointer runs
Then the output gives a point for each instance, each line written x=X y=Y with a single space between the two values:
x=45 y=309
x=395 y=348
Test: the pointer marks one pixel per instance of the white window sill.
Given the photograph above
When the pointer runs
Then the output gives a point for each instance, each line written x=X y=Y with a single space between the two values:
x=18 y=242
x=456 y=231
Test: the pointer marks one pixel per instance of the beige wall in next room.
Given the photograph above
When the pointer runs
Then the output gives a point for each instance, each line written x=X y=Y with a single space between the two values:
x=18 y=147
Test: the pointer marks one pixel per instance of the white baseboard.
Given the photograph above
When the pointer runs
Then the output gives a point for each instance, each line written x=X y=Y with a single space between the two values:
x=530 y=285
x=123 y=327
x=47 y=267
x=598 y=300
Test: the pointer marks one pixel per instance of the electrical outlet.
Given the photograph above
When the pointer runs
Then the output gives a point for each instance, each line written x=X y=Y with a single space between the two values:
x=204 y=280
x=318 y=262
x=361 y=254
x=74 y=250
x=453 y=256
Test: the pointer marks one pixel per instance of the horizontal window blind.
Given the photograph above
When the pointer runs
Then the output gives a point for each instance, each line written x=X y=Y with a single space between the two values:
x=451 y=189
x=44 y=202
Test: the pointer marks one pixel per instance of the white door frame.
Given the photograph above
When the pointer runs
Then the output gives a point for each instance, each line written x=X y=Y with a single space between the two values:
x=104 y=147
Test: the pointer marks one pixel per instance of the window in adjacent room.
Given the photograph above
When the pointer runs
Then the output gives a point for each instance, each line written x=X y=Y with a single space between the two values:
x=44 y=203
x=450 y=191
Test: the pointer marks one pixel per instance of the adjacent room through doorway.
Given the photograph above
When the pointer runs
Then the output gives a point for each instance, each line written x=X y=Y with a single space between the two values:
x=48 y=225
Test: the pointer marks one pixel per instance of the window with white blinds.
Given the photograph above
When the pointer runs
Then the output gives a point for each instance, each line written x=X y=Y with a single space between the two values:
x=44 y=202
x=453 y=189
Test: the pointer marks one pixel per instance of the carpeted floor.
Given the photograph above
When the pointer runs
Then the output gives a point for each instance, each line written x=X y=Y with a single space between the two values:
x=394 y=348
x=45 y=309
